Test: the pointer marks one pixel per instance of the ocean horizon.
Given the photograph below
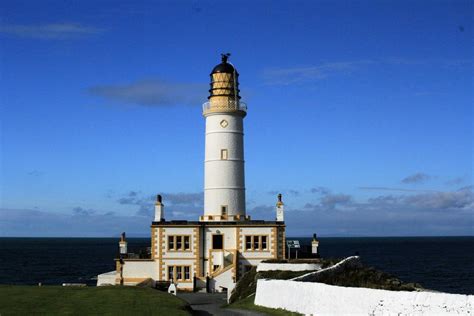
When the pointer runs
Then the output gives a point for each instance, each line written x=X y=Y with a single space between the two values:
x=442 y=263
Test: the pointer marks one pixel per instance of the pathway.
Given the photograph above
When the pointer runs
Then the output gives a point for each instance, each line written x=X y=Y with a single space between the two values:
x=211 y=304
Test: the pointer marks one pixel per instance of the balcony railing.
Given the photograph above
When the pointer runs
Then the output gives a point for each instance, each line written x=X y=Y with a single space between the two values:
x=136 y=253
x=226 y=106
x=222 y=259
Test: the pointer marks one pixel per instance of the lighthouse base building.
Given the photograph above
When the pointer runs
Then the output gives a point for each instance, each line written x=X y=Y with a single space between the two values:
x=204 y=255
x=213 y=252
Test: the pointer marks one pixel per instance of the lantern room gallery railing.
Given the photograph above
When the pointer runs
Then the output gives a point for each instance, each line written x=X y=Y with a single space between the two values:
x=227 y=106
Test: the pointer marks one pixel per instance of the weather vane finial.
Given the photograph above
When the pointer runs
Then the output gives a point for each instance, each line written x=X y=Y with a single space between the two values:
x=225 y=57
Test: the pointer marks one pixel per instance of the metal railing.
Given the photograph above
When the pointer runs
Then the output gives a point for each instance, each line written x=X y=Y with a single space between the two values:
x=230 y=105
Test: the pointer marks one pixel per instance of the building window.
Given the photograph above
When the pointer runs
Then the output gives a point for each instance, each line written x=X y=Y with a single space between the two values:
x=171 y=243
x=256 y=242
x=264 y=242
x=179 y=273
x=224 y=154
x=186 y=242
x=224 y=210
x=217 y=241
x=179 y=243
x=248 y=242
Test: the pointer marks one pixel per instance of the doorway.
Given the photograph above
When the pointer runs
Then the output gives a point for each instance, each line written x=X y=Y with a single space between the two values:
x=218 y=241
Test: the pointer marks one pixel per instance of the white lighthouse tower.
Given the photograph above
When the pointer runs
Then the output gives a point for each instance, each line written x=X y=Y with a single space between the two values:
x=224 y=180
x=216 y=251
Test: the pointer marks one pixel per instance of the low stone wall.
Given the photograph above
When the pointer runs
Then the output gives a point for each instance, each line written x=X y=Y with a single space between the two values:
x=263 y=266
x=346 y=263
x=323 y=299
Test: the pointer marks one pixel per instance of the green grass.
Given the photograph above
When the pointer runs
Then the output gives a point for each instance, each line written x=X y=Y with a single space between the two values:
x=57 y=300
x=248 y=303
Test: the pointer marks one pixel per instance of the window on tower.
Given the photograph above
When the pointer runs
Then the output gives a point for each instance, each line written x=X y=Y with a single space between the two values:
x=224 y=154
x=224 y=210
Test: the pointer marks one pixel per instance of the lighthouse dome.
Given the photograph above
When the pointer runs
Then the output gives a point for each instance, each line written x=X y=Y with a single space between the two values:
x=224 y=66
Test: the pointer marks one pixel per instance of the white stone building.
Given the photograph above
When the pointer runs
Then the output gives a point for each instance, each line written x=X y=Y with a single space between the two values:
x=224 y=243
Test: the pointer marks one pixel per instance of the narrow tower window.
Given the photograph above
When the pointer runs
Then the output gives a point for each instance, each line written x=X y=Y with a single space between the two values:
x=224 y=154
x=223 y=210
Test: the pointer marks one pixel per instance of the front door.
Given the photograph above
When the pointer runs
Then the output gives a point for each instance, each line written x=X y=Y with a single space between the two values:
x=218 y=241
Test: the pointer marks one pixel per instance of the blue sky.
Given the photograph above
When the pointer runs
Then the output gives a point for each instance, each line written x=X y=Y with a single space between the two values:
x=360 y=113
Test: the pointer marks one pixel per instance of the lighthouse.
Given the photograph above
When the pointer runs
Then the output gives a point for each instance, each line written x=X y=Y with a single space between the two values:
x=224 y=179
x=213 y=252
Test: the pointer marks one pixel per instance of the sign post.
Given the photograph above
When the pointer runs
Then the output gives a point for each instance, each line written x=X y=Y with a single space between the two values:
x=293 y=244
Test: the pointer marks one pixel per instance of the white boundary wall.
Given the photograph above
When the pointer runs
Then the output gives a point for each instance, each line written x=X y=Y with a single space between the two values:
x=321 y=299
x=140 y=269
x=287 y=266
x=107 y=278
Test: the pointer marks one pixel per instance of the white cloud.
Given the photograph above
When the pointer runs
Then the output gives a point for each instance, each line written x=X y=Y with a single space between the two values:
x=433 y=213
x=322 y=71
x=393 y=189
x=152 y=93
x=50 y=31
x=177 y=204
x=32 y=223
x=297 y=75
x=418 y=177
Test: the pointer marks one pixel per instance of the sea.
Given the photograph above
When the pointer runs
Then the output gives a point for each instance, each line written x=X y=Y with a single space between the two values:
x=443 y=264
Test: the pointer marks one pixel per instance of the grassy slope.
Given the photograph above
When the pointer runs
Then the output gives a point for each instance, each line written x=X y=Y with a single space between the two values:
x=248 y=303
x=367 y=277
x=57 y=300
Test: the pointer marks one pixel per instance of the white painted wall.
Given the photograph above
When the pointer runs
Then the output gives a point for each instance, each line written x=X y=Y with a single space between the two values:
x=249 y=254
x=224 y=181
x=224 y=280
x=322 y=299
x=262 y=266
x=107 y=278
x=229 y=237
x=167 y=253
x=229 y=242
x=140 y=269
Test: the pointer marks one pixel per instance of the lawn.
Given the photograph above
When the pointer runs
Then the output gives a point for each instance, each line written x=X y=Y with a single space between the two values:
x=57 y=300
x=248 y=303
